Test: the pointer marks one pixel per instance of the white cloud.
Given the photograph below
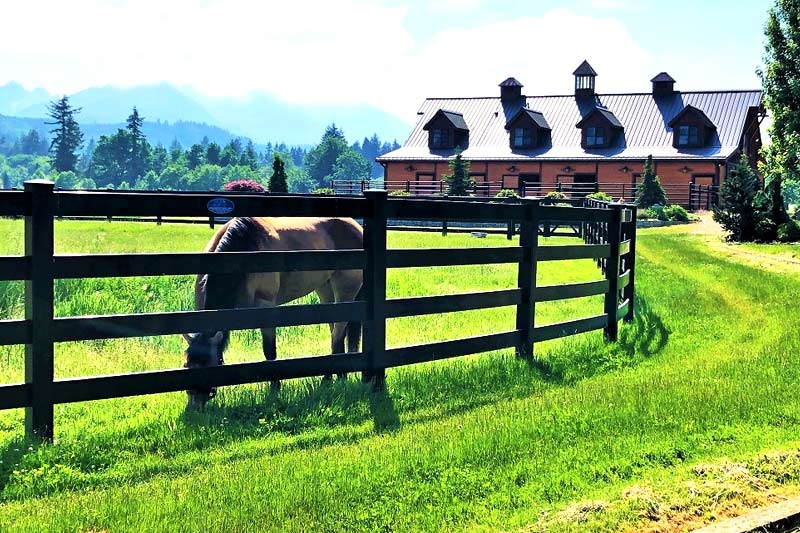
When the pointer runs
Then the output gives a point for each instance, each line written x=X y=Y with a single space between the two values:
x=344 y=52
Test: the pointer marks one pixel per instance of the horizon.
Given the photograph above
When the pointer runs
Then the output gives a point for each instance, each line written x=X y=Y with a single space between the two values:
x=317 y=64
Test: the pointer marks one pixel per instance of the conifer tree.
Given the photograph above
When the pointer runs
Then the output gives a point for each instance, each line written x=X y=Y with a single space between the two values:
x=736 y=211
x=458 y=179
x=139 y=147
x=650 y=192
x=277 y=182
x=67 y=136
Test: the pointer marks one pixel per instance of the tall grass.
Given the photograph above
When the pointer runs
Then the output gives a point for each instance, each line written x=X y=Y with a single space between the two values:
x=484 y=442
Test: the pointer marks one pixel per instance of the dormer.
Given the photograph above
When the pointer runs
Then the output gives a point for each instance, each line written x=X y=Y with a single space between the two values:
x=447 y=130
x=599 y=129
x=527 y=129
x=584 y=80
x=510 y=90
x=691 y=128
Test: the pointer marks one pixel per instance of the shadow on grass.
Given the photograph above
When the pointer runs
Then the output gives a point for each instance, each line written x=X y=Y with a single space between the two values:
x=574 y=360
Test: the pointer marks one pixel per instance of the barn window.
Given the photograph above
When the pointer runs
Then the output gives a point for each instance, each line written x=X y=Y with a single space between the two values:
x=523 y=137
x=441 y=138
x=595 y=136
x=688 y=136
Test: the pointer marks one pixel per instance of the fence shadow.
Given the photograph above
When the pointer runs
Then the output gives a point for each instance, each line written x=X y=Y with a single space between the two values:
x=579 y=359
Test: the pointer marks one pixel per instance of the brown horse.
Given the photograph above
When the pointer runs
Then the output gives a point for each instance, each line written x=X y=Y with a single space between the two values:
x=266 y=289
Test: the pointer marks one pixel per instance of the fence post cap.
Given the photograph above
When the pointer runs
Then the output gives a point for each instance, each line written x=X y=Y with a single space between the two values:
x=39 y=184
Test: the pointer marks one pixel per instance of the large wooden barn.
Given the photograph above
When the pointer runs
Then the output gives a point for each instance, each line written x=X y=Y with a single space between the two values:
x=581 y=142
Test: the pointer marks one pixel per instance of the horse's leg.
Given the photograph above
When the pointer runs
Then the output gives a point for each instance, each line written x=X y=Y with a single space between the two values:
x=268 y=298
x=270 y=347
x=338 y=329
x=346 y=285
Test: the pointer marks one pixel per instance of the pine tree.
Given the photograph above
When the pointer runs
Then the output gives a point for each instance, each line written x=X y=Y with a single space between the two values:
x=139 y=156
x=213 y=151
x=736 y=211
x=781 y=81
x=67 y=137
x=277 y=182
x=458 y=179
x=650 y=192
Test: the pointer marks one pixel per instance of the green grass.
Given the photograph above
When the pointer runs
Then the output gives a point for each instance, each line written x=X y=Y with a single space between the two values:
x=789 y=250
x=706 y=372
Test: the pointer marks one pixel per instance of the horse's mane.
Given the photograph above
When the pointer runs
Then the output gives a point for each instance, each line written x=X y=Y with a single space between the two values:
x=222 y=290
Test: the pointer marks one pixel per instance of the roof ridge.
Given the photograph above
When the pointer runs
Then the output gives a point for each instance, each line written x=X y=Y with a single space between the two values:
x=721 y=91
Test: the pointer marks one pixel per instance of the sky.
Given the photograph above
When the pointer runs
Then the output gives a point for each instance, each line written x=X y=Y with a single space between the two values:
x=390 y=54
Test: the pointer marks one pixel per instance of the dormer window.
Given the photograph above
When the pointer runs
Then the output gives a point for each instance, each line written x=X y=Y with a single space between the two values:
x=523 y=137
x=447 y=130
x=688 y=136
x=440 y=138
x=527 y=129
x=595 y=136
x=691 y=128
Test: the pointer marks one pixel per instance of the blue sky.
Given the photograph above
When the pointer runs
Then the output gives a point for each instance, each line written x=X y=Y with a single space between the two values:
x=390 y=54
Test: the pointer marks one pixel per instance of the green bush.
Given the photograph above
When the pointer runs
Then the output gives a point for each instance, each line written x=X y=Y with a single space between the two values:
x=506 y=193
x=676 y=212
x=766 y=230
x=324 y=191
x=789 y=231
x=600 y=195
x=399 y=193
x=555 y=195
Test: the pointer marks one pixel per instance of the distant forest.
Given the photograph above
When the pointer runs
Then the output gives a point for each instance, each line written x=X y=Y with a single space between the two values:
x=126 y=159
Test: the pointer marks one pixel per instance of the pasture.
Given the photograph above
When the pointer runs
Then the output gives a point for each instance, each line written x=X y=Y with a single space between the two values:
x=593 y=437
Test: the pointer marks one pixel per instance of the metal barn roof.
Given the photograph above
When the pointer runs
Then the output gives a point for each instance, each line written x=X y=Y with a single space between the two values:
x=645 y=120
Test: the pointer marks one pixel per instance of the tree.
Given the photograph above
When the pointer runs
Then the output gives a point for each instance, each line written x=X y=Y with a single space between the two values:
x=67 y=136
x=139 y=149
x=319 y=161
x=32 y=143
x=458 y=178
x=195 y=156
x=650 y=192
x=736 y=211
x=781 y=82
x=277 y=182
x=249 y=156
x=351 y=165
x=213 y=151
x=112 y=159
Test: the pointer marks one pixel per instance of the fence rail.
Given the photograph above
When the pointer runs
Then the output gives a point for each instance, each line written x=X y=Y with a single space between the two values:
x=608 y=231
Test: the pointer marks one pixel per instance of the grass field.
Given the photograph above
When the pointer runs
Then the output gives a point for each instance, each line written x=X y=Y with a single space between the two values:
x=692 y=416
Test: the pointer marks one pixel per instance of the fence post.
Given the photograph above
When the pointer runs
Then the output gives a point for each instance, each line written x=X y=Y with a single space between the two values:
x=630 y=264
x=612 y=272
x=526 y=277
x=374 y=344
x=39 y=309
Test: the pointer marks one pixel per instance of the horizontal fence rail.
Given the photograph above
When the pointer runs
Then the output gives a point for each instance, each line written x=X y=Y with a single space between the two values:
x=607 y=230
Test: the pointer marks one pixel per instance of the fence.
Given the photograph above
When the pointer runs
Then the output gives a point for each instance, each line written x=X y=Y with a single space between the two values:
x=687 y=195
x=39 y=267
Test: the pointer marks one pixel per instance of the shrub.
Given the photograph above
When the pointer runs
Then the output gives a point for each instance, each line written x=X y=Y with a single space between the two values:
x=600 y=195
x=244 y=186
x=766 y=230
x=555 y=195
x=506 y=193
x=738 y=209
x=399 y=193
x=324 y=191
x=789 y=231
x=650 y=192
x=458 y=180
x=676 y=212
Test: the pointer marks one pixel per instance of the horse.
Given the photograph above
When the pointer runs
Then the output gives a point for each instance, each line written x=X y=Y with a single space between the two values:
x=267 y=289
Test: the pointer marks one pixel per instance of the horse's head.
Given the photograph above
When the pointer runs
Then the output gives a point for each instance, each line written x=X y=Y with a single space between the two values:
x=204 y=350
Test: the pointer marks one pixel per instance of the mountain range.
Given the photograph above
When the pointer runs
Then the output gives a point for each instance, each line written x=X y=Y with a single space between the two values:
x=259 y=116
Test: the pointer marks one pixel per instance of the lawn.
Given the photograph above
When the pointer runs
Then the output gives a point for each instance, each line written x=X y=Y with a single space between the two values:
x=693 y=415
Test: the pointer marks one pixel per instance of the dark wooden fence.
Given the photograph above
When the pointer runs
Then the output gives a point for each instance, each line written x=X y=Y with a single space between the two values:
x=609 y=236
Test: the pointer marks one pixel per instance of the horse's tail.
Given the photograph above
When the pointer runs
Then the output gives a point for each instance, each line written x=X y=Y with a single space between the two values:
x=354 y=328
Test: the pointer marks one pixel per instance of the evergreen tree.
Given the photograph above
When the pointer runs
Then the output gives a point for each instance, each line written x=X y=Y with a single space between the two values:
x=650 y=192
x=277 y=182
x=249 y=157
x=195 y=156
x=32 y=143
x=736 y=212
x=319 y=161
x=159 y=158
x=351 y=165
x=458 y=179
x=231 y=154
x=139 y=149
x=175 y=149
x=213 y=152
x=67 y=137
x=781 y=81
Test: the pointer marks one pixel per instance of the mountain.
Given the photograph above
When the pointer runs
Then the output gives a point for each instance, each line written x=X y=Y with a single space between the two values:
x=259 y=116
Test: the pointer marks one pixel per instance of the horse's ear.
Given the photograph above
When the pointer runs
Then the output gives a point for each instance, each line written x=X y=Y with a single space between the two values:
x=217 y=338
x=188 y=337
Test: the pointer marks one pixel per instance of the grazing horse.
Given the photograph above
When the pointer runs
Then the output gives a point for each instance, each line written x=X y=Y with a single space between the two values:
x=267 y=289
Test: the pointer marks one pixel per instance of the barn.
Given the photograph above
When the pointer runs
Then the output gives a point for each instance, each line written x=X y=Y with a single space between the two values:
x=582 y=142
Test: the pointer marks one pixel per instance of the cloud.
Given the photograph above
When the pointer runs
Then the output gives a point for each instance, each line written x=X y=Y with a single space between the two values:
x=344 y=52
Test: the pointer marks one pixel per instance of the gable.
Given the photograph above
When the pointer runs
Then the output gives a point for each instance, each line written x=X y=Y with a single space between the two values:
x=447 y=119
x=693 y=115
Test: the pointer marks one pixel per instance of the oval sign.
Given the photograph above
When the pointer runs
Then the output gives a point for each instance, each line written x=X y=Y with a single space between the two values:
x=220 y=206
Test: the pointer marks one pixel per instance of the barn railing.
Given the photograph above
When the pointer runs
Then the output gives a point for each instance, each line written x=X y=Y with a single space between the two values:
x=612 y=238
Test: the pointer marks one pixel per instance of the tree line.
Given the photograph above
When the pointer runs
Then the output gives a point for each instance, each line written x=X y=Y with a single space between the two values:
x=127 y=160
